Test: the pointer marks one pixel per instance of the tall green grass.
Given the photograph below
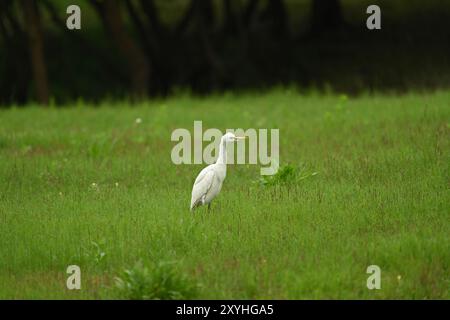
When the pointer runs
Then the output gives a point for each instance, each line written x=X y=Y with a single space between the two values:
x=90 y=186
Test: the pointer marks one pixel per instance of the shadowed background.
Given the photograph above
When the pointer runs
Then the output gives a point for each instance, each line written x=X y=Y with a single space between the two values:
x=138 y=48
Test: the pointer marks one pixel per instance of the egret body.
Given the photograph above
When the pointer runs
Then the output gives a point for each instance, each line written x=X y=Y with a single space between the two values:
x=209 y=181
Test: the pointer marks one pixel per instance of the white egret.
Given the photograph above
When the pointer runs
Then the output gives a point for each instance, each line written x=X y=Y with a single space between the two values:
x=209 y=181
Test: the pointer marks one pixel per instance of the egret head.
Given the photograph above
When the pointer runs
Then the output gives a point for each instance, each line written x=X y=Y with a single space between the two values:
x=230 y=137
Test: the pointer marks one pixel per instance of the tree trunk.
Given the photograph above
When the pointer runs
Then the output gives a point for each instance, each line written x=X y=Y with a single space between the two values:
x=326 y=15
x=108 y=65
x=205 y=25
x=139 y=67
x=249 y=12
x=276 y=13
x=186 y=19
x=36 y=47
x=230 y=24
x=151 y=11
x=16 y=76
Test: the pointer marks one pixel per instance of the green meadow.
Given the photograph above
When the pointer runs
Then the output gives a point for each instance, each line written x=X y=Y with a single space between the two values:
x=363 y=181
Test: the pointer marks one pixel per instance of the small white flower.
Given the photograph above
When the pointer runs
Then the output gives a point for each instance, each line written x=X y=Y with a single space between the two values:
x=117 y=184
x=399 y=277
x=138 y=120
x=94 y=185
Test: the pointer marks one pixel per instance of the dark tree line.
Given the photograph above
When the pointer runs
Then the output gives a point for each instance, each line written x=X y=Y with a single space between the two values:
x=149 y=49
x=210 y=45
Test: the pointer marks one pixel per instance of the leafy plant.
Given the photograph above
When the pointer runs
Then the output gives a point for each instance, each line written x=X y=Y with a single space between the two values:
x=159 y=281
x=286 y=175
x=99 y=253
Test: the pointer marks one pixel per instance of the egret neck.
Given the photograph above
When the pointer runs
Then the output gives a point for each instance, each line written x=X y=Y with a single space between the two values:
x=222 y=159
x=221 y=162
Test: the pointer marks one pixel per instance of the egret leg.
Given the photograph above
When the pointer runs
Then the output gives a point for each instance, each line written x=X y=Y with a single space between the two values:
x=209 y=207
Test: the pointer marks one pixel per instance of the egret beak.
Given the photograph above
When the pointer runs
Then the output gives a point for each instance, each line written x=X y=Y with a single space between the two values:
x=240 y=138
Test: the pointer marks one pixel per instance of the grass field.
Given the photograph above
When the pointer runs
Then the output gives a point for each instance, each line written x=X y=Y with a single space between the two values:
x=91 y=187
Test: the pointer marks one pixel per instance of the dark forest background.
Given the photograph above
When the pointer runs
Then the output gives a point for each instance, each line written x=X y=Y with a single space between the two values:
x=147 y=48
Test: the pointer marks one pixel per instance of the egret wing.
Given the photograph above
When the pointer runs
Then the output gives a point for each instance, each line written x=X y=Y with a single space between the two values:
x=202 y=174
x=201 y=187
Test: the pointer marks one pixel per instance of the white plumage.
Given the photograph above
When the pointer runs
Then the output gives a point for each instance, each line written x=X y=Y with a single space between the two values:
x=209 y=181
